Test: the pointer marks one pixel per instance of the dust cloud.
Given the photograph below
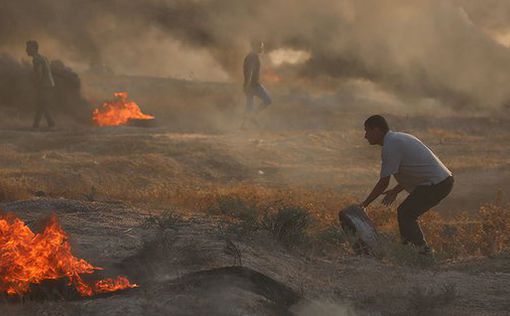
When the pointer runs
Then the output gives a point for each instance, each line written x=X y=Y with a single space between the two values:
x=449 y=51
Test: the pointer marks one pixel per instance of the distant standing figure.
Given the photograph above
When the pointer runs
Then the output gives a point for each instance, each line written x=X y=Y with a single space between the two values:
x=252 y=86
x=417 y=170
x=44 y=84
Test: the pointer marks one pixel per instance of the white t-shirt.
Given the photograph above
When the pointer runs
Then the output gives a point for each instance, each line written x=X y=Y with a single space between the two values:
x=410 y=161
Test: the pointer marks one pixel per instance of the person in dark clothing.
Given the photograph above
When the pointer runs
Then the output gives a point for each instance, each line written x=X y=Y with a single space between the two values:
x=252 y=86
x=44 y=84
x=416 y=169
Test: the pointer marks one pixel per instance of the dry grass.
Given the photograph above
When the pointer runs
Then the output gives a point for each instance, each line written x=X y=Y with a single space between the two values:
x=217 y=175
x=166 y=220
x=485 y=232
x=12 y=190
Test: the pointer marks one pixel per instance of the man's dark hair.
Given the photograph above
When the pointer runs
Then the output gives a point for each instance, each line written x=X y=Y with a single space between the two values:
x=377 y=121
x=33 y=44
x=256 y=44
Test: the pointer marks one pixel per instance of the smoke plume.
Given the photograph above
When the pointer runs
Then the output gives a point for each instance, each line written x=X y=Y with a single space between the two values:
x=440 y=49
x=17 y=90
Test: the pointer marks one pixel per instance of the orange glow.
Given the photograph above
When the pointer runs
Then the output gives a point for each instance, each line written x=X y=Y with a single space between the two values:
x=270 y=75
x=27 y=258
x=118 y=111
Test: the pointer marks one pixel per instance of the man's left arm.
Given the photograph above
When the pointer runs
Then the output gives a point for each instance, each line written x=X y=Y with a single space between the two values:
x=378 y=189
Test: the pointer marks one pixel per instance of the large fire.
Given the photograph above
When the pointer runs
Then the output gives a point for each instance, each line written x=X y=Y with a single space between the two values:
x=27 y=258
x=118 y=111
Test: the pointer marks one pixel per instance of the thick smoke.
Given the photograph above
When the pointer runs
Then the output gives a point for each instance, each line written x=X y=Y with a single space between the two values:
x=442 y=49
x=492 y=15
x=17 y=90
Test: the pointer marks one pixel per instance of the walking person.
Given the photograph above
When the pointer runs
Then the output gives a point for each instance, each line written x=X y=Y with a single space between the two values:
x=44 y=84
x=252 y=86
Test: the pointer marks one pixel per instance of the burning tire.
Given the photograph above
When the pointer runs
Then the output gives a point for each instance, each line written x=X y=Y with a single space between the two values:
x=120 y=111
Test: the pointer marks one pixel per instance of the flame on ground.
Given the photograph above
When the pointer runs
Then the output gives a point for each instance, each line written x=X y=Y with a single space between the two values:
x=27 y=258
x=270 y=75
x=118 y=111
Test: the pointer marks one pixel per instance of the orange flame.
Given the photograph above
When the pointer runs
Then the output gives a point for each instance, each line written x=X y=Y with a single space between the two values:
x=270 y=75
x=27 y=258
x=118 y=111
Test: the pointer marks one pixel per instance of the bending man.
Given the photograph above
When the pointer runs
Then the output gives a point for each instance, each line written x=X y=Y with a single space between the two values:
x=416 y=169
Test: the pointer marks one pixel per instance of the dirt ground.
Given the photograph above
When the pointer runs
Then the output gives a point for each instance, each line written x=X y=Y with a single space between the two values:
x=104 y=183
x=339 y=160
x=165 y=264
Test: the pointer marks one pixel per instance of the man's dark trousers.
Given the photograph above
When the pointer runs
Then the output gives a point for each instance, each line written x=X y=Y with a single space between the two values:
x=44 y=98
x=422 y=199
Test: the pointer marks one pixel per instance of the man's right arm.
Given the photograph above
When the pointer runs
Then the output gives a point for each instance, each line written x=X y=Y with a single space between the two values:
x=390 y=162
x=378 y=189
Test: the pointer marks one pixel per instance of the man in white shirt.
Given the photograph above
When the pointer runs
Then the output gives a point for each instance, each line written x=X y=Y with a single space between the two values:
x=416 y=169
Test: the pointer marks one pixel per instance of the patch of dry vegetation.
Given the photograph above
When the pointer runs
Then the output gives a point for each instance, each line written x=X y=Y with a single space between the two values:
x=166 y=220
x=291 y=216
x=485 y=232
x=12 y=190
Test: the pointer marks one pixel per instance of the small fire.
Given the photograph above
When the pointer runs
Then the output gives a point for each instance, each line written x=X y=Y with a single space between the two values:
x=27 y=258
x=270 y=75
x=118 y=111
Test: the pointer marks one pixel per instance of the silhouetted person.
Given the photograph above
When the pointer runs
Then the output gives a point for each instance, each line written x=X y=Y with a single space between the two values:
x=44 y=84
x=416 y=169
x=252 y=86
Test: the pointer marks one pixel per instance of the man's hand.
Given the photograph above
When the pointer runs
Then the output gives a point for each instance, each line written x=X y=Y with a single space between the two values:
x=378 y=189
x=390 y=197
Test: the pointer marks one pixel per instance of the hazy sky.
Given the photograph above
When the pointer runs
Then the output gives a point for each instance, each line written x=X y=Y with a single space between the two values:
x=453 y=50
